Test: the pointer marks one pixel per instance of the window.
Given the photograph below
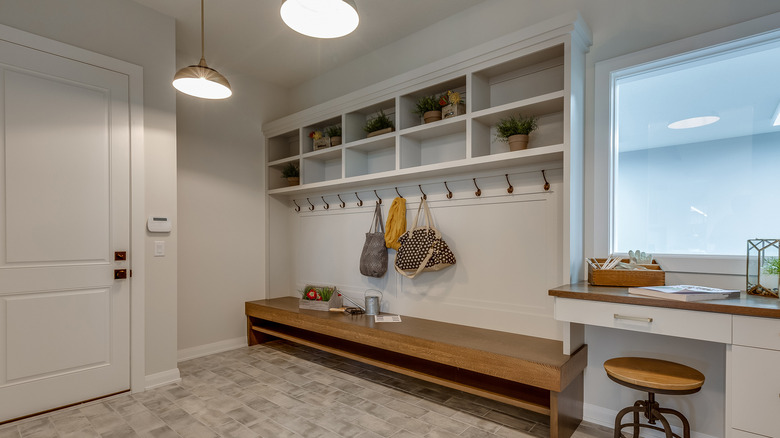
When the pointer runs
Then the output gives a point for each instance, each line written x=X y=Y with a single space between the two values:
x=694 y=146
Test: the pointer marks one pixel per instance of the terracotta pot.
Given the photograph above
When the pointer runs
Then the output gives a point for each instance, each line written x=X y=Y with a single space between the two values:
x=335 y=141
x=380 y=132
x=293 y=180
x=518 y=142
x=432 y=116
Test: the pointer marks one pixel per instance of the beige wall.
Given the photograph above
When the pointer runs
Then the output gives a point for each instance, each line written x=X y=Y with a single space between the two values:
x=222 y=211
x=129 y=32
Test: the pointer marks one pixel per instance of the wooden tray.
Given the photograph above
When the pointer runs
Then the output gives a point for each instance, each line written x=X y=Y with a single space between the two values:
x=654 y=276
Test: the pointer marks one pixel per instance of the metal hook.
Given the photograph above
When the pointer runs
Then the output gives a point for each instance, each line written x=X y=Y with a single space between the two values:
x=546 y=184
x=449 y=193
x=297 y=207
x=479 y=191
x=312 y=205
x=421 y=191
x=398 y=193
x=509 y=189
x=377 y=197
x=343 y=204
x=360 y=201
x=327 y=206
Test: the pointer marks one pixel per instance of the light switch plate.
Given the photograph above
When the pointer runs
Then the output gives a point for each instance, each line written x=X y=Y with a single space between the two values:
x=159 y=248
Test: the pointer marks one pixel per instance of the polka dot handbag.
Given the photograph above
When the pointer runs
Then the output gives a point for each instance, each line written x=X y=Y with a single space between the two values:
x=422 y=248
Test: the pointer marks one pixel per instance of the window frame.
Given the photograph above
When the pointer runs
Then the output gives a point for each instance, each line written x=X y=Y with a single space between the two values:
x=733 y=38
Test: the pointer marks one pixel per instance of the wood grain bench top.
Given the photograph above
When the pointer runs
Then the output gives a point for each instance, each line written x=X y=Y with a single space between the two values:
x=534 y=361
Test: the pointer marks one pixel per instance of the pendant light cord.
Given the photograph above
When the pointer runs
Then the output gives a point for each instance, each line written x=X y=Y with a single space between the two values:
x=202 y=32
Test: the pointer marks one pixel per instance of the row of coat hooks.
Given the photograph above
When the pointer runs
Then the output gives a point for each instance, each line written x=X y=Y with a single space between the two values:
x=510 y=189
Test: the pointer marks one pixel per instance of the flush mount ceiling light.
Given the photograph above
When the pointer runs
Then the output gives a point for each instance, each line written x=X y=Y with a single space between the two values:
x=694 y=122
x=320 y=18
x=200 y=80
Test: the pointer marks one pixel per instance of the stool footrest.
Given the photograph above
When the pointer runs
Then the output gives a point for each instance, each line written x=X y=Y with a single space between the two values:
x=653 y=412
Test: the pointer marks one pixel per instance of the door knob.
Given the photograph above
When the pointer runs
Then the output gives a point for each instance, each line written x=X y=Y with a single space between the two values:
x=120 y=274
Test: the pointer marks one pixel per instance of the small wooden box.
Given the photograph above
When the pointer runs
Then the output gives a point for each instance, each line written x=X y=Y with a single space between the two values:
x=451 y=110
x=333 y=303
x=653 y=276
x=321 y=143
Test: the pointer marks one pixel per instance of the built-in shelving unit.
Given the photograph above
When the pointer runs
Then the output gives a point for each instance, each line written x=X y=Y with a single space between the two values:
x=537 y=71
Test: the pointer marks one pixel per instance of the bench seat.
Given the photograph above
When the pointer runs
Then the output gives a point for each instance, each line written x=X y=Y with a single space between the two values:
x=524 y=371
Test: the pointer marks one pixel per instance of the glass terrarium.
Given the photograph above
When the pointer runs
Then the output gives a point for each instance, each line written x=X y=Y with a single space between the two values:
x=763 y=267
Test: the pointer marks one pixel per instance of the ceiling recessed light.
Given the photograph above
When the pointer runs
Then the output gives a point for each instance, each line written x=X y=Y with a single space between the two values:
x=694 y=122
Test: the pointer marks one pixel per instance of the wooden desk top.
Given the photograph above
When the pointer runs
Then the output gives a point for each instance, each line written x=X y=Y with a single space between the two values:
x=747 y=305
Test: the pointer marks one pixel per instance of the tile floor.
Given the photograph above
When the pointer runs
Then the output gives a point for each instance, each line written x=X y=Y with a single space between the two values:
x=280 y=390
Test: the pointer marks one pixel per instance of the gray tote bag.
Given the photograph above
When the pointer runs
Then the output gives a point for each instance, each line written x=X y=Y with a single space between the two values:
x=373 y=259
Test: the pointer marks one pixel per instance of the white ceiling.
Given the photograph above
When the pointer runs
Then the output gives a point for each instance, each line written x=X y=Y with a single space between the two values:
x=249 y=36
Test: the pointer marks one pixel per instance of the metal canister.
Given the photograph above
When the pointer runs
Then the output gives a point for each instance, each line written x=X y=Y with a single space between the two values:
x=372 y=302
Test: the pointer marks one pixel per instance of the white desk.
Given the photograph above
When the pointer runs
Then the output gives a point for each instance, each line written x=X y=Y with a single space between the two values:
x=749 y=326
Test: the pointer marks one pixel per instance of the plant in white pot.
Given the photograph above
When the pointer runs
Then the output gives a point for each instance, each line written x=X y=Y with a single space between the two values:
x=291 y=172
x=428 y=108
x=515 y=130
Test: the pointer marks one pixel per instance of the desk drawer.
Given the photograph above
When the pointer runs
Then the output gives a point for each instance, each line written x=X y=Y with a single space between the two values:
x=706 y=326
x=757 y=332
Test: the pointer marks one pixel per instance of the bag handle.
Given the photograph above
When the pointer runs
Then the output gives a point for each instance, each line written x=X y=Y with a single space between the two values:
x=428 y=220
x=419 y=268
x=376 y=223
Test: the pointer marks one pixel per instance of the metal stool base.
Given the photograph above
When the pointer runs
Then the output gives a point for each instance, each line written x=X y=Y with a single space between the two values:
x=653 y=412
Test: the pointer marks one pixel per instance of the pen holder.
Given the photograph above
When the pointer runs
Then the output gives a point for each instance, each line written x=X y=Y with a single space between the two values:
x=651 y=276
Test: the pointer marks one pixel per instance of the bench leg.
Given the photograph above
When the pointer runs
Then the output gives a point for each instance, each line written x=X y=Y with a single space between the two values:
x=253 y=337
x=566 y=409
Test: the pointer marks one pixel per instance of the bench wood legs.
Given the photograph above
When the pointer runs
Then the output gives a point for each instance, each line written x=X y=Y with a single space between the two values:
x=566 y=409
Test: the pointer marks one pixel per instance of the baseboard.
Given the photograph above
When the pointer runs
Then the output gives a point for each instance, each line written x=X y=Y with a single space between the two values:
x=162 y=378
x=606 y=417
x=216 y=347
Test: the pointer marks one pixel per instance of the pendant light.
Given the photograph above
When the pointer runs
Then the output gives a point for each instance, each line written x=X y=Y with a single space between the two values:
x=320 y=18
x=200 y=80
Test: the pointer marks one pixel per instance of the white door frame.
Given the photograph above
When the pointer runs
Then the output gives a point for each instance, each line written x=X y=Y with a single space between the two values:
x=137 y=195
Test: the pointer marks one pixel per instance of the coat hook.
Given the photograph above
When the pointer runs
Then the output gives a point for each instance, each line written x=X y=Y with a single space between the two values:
x=377 y=197
x=343 y=204
x=449 y=193
x=398 y=193
x=421 y=191
x=327 y=206
x=312 y=205
x=546 y=184
x=297 y=207
x=509 y=189
x=479 y=191
x=360 y=201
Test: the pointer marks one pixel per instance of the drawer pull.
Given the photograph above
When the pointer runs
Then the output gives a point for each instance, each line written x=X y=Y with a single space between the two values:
x=633 y=318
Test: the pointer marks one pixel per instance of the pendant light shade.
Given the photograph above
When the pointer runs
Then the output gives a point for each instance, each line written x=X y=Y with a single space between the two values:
x=320 y=18
x=201 y=80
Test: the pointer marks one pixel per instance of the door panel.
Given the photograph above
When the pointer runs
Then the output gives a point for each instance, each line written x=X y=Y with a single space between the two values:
x=64 y=210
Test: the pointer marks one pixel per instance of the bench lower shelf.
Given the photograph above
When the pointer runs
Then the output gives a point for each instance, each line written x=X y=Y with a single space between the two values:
x=427 y=359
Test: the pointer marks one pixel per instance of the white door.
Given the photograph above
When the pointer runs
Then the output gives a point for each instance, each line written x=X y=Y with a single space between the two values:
x=64 y=211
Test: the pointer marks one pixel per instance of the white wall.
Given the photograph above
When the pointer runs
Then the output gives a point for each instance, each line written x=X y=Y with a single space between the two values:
x=618 y=27
x=222 y=211
x=133 y=33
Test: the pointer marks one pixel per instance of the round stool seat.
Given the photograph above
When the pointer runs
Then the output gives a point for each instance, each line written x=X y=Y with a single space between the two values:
x=654 y=375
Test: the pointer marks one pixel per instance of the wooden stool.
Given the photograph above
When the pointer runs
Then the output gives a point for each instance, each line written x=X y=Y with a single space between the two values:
x=654 y=377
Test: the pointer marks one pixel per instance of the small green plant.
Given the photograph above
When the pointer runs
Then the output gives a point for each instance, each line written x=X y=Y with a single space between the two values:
x=333 y=131
x=427 y=103
x=381 y=121
x=772 y=266
x=317 y=293
x=290 y=171
x=512 y=125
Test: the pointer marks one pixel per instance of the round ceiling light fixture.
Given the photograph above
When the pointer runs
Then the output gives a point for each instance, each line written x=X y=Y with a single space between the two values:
x=320 y=18
x=693 y=122
x=201 y=80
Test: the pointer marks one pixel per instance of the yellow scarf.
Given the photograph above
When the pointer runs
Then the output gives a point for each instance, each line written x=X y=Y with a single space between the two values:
x=396 y=223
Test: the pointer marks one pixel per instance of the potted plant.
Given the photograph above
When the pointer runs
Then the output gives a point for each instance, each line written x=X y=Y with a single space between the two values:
x=451 y=105
x=334 y=133
x=291 y=172
x=319 y=298
x=515 y=130
x=428 y=108
x=381 y=124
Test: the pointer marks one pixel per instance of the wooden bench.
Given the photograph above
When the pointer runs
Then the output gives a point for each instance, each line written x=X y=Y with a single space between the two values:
x=524 y=371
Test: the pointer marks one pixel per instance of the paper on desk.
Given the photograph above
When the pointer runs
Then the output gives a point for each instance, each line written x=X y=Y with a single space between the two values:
x=387 y=318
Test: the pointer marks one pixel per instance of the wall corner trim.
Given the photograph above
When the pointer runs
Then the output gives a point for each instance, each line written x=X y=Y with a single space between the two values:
x=162 y=378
